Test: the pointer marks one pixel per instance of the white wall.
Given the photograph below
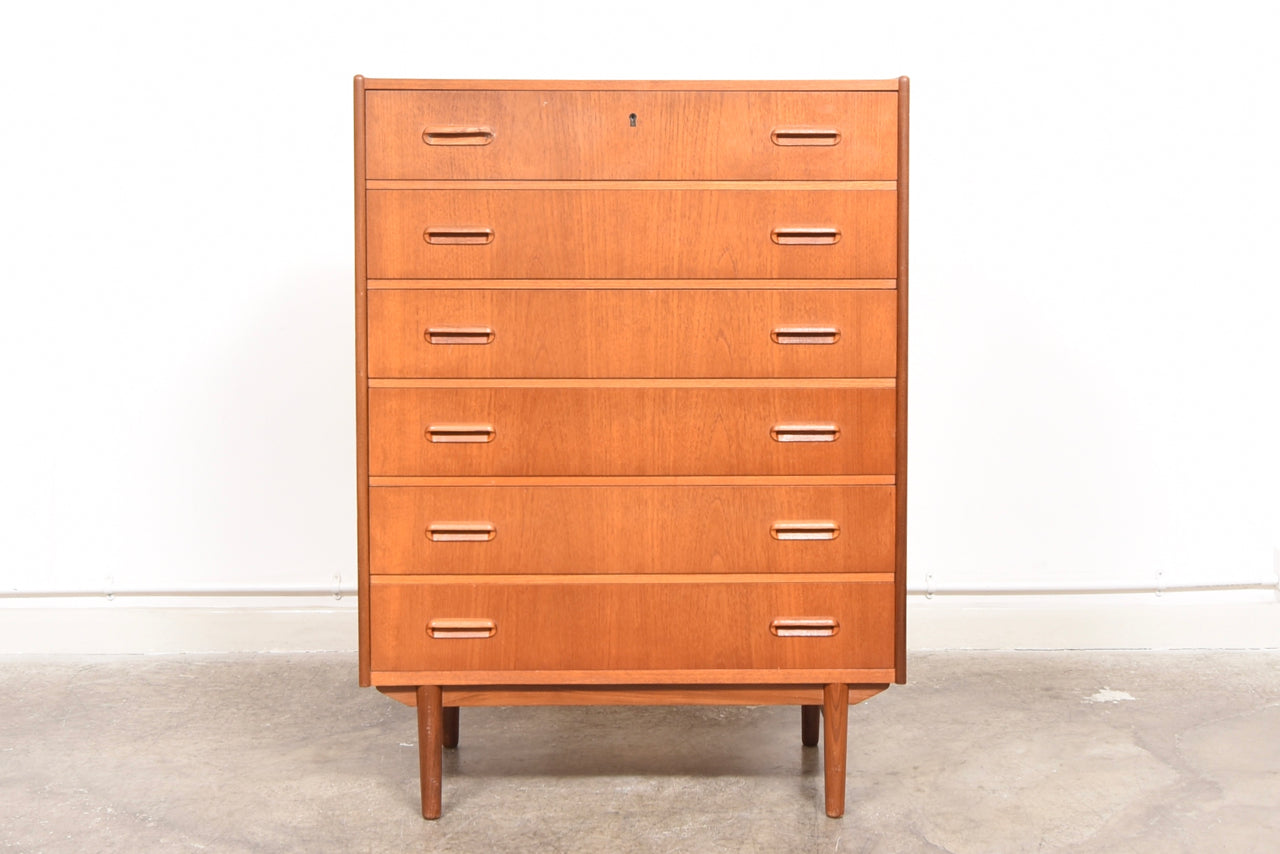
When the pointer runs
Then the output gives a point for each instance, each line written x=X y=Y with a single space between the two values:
x=1095 y=358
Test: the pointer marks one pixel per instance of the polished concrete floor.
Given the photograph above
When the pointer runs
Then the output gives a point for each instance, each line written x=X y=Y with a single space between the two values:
x=981 y=752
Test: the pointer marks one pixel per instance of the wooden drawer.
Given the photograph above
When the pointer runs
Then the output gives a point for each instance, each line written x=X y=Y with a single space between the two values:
x=631 y=429
x=630 y=529
x=633 y=233
x=676 y=135
x=632 y=333
x=566 y=623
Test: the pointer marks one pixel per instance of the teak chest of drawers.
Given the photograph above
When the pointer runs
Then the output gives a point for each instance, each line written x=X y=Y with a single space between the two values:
x=631 y=397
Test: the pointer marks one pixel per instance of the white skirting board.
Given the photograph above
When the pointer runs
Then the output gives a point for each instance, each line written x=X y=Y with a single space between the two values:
x=1141 y=621
x=121 y=628
x=1245 y=620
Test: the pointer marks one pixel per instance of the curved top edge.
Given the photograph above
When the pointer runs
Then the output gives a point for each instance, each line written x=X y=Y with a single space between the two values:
x=643 y=85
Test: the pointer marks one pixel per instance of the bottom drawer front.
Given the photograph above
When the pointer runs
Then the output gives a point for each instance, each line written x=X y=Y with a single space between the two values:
x=625 y=530
x=565 y=624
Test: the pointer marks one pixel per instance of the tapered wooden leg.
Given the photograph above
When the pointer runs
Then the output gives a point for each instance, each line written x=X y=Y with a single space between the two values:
x=430 y=740
x=835 y=730
x=809 y=723
x=450 y=726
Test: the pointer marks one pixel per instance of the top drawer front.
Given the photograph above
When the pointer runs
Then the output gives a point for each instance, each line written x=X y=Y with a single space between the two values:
x=589 y=135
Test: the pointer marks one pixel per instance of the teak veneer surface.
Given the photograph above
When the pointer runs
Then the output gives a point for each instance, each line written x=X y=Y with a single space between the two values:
x=632 y=529
x=676 y=135
x=631 y=695
x=644 y=383
x=900 y=452
x=531 y=184
x=362 y=387
x=681 y=234
x=630 y=431
x=632 y=333
x=586 y=312
x=632 y=626
x=681 y=676
x=378 y=83
x=630 y=284
x=642 y=480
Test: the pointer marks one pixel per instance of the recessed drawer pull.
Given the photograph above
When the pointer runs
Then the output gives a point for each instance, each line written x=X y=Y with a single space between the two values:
x=805 y=433
x=460 y=433
x=461 y=532
x=805 y=136
x=459 y=136
x=804 y=627
x=805 y=335
x=804 y=530
x=441 y=235
x=461 y=627
x=459 y=335
x=820 y=236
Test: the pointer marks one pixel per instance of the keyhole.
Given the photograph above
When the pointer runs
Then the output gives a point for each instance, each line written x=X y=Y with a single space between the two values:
x=633 y=119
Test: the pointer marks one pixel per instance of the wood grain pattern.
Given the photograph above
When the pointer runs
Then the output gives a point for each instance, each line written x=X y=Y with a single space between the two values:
x=659 y=695
x=430 y=740
x=637 y=383
x=650 y=695
x=629 y=695
x=669 y=579
x=900 y=449
x=624 y=284
x=681 y=234
x=631 y=529
x=640 y=626
x=630 y=431
x=788 y=186
x=638 y=289
x=835 y=741
x=675 y=480
x=362 y=389
x=643 y=85
x=683 y=676
x=638 y=333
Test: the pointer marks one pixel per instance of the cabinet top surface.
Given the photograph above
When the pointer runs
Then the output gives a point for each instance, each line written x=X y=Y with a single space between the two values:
x=647 y=85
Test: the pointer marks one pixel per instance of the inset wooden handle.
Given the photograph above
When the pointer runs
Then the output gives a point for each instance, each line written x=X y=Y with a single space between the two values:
x=805 y=136
x=804 y=530
x=461 y=627
x=459 y=335
x=461 y=532
x=805 y=433
x=452 y=235
x=457 y=136
x=804 y=627
x=805 y=335
x=460 y=433
x=817 y=236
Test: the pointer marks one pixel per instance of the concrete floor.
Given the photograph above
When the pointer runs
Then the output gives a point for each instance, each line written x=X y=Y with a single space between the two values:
x=981 y=752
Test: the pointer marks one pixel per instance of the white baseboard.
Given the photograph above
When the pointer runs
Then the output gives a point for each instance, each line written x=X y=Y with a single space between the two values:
x=193 y=628
x=953 y=622
x=1173 y=621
